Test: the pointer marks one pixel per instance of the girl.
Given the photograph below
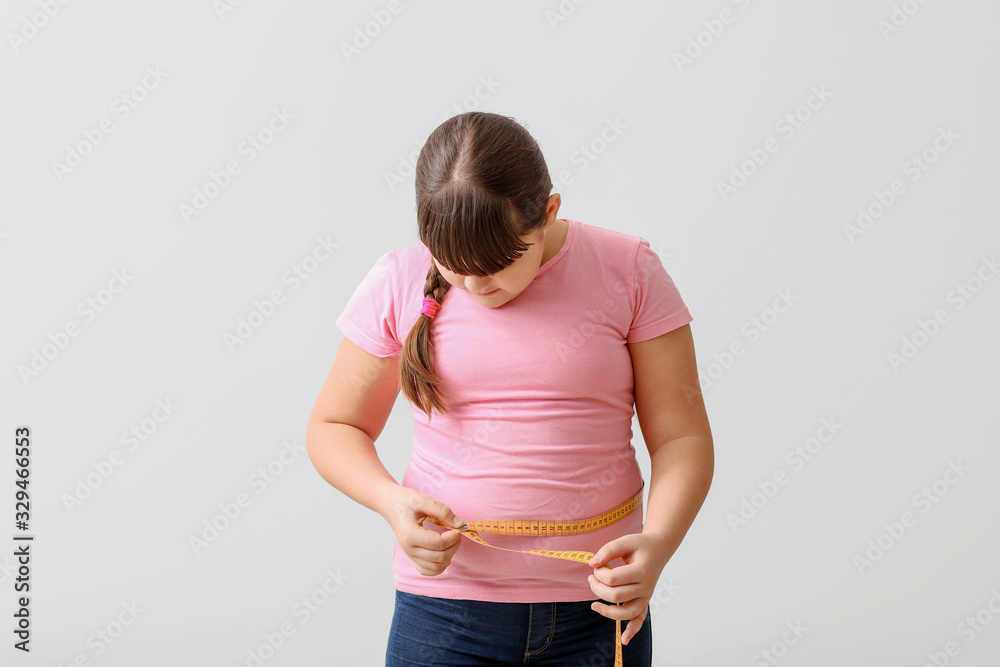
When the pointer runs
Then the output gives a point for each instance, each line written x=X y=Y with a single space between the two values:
x=521 y=341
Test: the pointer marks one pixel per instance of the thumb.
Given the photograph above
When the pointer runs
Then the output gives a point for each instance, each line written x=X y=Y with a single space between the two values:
x=438 y=510
x=609 y=552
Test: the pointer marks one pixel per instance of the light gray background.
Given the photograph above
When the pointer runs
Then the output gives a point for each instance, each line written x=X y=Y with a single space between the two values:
x=727 y=594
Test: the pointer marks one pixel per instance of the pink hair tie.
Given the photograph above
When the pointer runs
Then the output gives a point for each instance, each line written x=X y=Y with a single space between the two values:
x=430 y=307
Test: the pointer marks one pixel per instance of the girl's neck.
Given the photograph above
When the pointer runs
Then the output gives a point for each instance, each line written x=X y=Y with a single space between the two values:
x=554 y=238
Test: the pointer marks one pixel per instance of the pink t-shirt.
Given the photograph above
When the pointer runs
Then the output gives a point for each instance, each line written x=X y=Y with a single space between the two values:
x=540 y=426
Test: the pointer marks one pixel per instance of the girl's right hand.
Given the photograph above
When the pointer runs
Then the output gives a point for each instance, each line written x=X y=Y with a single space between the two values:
x=430 y=551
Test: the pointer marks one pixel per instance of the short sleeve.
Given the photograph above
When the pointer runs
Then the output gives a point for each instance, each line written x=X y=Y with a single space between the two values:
x=657 y=306
x=369 y=318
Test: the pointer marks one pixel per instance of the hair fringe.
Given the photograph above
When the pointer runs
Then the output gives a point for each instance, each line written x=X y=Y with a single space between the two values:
x=481 y=186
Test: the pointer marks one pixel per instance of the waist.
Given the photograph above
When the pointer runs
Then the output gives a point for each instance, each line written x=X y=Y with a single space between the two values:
x=573 y=495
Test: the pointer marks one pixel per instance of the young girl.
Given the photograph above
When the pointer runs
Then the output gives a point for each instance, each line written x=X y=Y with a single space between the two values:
x=521 y=341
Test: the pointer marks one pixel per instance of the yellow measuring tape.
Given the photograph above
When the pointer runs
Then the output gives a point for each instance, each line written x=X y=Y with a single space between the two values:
x=549 y=528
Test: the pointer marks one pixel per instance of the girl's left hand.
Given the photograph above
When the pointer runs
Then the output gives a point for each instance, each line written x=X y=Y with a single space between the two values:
x=631 y=584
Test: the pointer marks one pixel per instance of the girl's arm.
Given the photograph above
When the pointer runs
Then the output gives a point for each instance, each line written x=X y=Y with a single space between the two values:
x=345 y=456
x=348 y=416
x=674 y=424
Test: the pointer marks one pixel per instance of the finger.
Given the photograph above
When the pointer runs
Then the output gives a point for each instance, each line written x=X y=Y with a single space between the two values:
x=618 y=612
x=428 y=569
x=614 y=594
x=438 y=510
x=426 y=555
x=633 y=627
x=622 y=546
x=431 y=555
x=631 y=573
x=432 y=539
x=449 y=538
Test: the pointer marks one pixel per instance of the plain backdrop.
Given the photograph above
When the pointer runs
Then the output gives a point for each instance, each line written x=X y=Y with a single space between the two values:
x=819 y=179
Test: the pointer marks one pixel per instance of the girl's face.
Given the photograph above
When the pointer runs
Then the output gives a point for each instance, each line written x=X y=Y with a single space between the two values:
x=503 y=286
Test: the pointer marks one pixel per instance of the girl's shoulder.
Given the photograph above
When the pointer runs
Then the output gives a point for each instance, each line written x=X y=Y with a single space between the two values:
x=607 y=246
x=612 y=237
x=412 y=258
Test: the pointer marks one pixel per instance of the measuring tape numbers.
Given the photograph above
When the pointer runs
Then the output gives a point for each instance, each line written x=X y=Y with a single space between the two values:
x=552 y=528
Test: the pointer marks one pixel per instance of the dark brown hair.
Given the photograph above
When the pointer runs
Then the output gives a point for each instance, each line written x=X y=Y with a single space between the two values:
x=482 y=185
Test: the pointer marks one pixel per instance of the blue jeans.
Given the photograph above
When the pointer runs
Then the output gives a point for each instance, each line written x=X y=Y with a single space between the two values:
x=438 y=632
